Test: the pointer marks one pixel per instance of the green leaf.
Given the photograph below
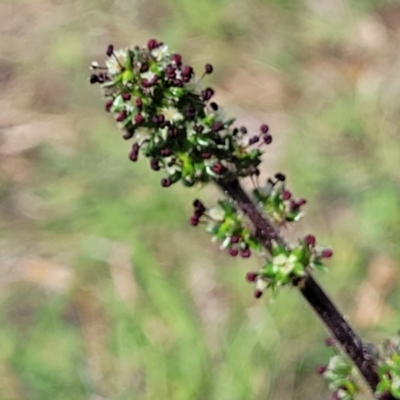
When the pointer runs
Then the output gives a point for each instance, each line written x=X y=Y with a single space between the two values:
x=395 y=392
x=298 y=252
x=127 y=75
x=298 y=268
x=254 y=244
x=318 y=265
x=382 y=386
x=277 y=249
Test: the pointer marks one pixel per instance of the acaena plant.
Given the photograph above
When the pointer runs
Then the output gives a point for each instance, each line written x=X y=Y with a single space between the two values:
x=170 y=118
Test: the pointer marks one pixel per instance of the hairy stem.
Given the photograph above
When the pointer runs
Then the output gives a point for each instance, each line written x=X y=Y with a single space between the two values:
x=309 y=288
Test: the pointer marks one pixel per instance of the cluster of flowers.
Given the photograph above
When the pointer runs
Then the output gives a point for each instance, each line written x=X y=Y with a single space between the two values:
x=160 y=105
x=389 y=368
x=278 y=202
x=286 y=264
x=230 y=228
x=226 y=226
x=339 y=374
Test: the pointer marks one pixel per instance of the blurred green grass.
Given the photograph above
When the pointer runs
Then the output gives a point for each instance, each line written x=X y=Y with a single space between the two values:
x=107 y=293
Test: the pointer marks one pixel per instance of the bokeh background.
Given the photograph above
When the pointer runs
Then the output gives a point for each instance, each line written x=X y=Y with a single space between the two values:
x=106 y=291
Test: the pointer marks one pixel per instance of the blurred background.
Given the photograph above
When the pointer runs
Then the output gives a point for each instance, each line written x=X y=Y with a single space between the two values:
x=106 y=291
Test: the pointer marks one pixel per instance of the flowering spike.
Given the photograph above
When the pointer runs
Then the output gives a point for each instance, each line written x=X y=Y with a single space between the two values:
x=160 y=105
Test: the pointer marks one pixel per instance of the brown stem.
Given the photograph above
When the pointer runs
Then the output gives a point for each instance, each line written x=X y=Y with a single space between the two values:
x=340 y=328
x=309 y=288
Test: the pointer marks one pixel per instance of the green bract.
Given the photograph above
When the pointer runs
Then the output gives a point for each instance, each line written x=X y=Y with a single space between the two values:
x=229 y=227
x=389 y=368
x=278 y=203
x=340 y=376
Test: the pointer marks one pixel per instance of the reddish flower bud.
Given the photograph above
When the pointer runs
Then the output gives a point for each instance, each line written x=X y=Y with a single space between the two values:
x=133 y=156
x=310 y=240
x=177 y=59
x=198 y=212
x=144 y=67
x=178 y=83
x=286 y=195
x=194 y=221
x=208 y=68
x=128 y=134
x=320 y=369
x=165 y=152
x=165 y=182
x=217 y=126
x=196 y=203
x=268 y=139
x=251 y=276
x=301 y=202
x=245 y=253
x=110 y=50
x=126 y=96
x=329 y=342
x=187 y=71
x=218 y=168
x=253 y=140
x=207 y=94
x=190 y=112
x=109 y=104
x=139 y=118
x=152 y=44
x=280 y=177
x=173 y=131
x=170 y=72
x=154 y=164
x=258 y=293
x=264 y=128
x=139 y=102
x=235 y=239
x=146 y=83
x=233 y=252
x=326 y=253
x=94 y=79
x=214 y=106
x=121 y=116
